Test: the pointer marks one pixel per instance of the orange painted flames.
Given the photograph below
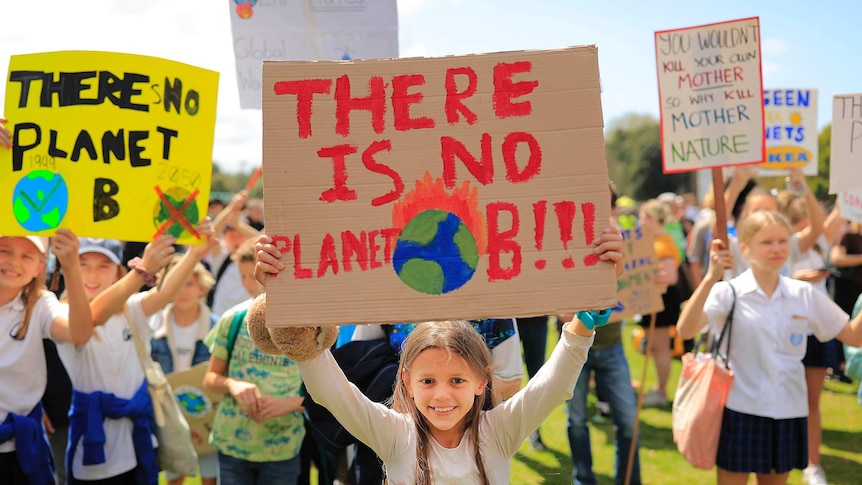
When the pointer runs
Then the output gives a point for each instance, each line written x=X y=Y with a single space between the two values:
x=431 y=194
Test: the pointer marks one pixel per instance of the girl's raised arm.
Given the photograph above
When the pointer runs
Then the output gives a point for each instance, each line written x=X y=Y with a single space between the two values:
x=111 y=301
x=157 y=298
x=78 y=326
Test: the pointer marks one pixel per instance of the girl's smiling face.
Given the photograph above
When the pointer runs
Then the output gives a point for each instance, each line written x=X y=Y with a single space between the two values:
x=443 y=388
x=98 y=273
x=20 y=262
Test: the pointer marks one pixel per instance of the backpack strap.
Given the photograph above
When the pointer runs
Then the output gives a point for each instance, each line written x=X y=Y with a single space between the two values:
x=235 y=324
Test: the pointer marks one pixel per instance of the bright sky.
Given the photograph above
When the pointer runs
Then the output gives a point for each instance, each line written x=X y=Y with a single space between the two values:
x=804 y=45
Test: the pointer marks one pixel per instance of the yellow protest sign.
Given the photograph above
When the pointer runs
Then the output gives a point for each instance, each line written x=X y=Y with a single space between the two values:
x=107 y=144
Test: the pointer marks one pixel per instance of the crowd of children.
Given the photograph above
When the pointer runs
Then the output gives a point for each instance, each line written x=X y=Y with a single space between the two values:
x=458 y=412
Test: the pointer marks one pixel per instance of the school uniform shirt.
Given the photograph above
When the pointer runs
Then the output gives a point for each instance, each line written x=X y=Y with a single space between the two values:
x=814 y=258
x=109 y=363
x=392 y=435
x=769 y=339
x=23 y=372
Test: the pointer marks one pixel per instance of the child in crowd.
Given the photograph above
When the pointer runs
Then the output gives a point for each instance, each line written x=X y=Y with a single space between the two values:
x=233 y=232
x=29 y=313
x=178 y=342
x=258 y=427
x=110 y=433
x=764 y=428
x=444 y=426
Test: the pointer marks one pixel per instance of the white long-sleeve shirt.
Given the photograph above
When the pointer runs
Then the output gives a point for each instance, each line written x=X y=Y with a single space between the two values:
x=392 y=435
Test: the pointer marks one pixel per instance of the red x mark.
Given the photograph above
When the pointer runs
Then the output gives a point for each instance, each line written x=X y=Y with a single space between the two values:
x=176 y=214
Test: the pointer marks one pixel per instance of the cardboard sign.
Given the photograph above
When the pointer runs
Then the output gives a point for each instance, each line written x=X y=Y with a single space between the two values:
x=791 y=131
x=637 y=291
x=711 y=95
x=307 y=30
x=851 y=205
x=425 y=189
x=845 y=163
x=108 y=145
x=198 y=404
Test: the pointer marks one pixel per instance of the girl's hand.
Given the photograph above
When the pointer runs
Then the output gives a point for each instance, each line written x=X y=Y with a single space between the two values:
x=5 y=136
x=158 y=253
x=609 y=247
x=719 y=260
x=268 y=259
x=205 y=229
x=65 y=246
x=274 y=407
x=247 y=395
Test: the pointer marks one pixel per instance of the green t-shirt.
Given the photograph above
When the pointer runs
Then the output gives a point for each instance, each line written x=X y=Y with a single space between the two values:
x=610 y=334
x=236 y=435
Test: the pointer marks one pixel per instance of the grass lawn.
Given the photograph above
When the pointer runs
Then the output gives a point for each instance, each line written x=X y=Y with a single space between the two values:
x=661 y=463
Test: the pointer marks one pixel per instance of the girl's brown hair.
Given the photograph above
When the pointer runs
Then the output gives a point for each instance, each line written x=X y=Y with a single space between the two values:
x=459 y=338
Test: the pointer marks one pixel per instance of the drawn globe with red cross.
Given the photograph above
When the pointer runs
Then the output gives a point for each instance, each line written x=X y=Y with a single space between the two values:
x=175 y=210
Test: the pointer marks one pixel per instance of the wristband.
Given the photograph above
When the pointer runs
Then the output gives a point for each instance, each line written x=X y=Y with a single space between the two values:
x=592 y=319
x=136 y=264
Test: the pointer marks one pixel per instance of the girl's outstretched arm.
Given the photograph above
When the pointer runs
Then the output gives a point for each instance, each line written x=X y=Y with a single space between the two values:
x=78 y=326
x=692 y=319
x=157 y=298
x=111 y=301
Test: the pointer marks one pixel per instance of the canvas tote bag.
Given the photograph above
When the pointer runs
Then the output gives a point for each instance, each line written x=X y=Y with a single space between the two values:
x=175 y=452
x=698 y=405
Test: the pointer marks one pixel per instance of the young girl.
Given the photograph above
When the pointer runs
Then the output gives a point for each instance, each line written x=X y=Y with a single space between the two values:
x=443 y=426
x=654 y=214
x=110 y=435
x=29 y=313
x=178 y=342
x=764 y=426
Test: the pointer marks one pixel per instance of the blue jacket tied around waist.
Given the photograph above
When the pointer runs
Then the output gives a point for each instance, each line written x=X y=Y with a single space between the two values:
x=31 y=445
x=88 y=414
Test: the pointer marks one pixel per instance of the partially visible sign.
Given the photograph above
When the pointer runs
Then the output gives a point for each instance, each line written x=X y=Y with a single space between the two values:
x=198 y=405
x=851 y=205
x=711 y=95
x=791 y=131
x=307 y=30
x=109 y=145
x=845 y=162
x=637 y=291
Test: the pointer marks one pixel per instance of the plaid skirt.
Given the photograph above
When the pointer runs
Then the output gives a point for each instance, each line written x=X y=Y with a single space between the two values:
x=754 y=444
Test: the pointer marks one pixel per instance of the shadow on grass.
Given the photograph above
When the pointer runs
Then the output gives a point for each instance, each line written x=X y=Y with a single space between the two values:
x=556 y=474
x=841 y=471
x=843 y=440
x=651 y=437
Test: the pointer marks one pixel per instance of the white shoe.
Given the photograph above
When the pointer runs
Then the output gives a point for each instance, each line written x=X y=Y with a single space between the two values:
x=814 y=475
x=654 y=399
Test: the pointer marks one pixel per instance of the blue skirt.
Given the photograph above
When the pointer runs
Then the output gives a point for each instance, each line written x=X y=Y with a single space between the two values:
x=754 y=444
x=823 y=354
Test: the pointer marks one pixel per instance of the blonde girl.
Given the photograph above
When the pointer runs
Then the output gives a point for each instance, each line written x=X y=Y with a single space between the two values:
x=444 y=426
x=29 y=313
x=178 y=341
x=764 y=428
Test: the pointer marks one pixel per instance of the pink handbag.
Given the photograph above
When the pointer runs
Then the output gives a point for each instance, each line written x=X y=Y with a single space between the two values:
x=698 y=405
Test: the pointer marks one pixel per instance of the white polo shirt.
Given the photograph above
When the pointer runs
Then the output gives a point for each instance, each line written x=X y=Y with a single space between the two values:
x=769 y=340
x=23 y=372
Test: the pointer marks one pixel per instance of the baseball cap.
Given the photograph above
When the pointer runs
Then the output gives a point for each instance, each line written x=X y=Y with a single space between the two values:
x=108 y=247
x=41 y=243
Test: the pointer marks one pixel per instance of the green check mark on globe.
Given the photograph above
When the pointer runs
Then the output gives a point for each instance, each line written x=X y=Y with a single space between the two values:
x=40 y=200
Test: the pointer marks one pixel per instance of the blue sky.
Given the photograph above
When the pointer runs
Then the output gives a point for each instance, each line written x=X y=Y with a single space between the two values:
x=804 y=45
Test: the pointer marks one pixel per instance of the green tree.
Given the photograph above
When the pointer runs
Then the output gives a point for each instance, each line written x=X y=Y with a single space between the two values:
x=633 y=149
x=820 y=183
